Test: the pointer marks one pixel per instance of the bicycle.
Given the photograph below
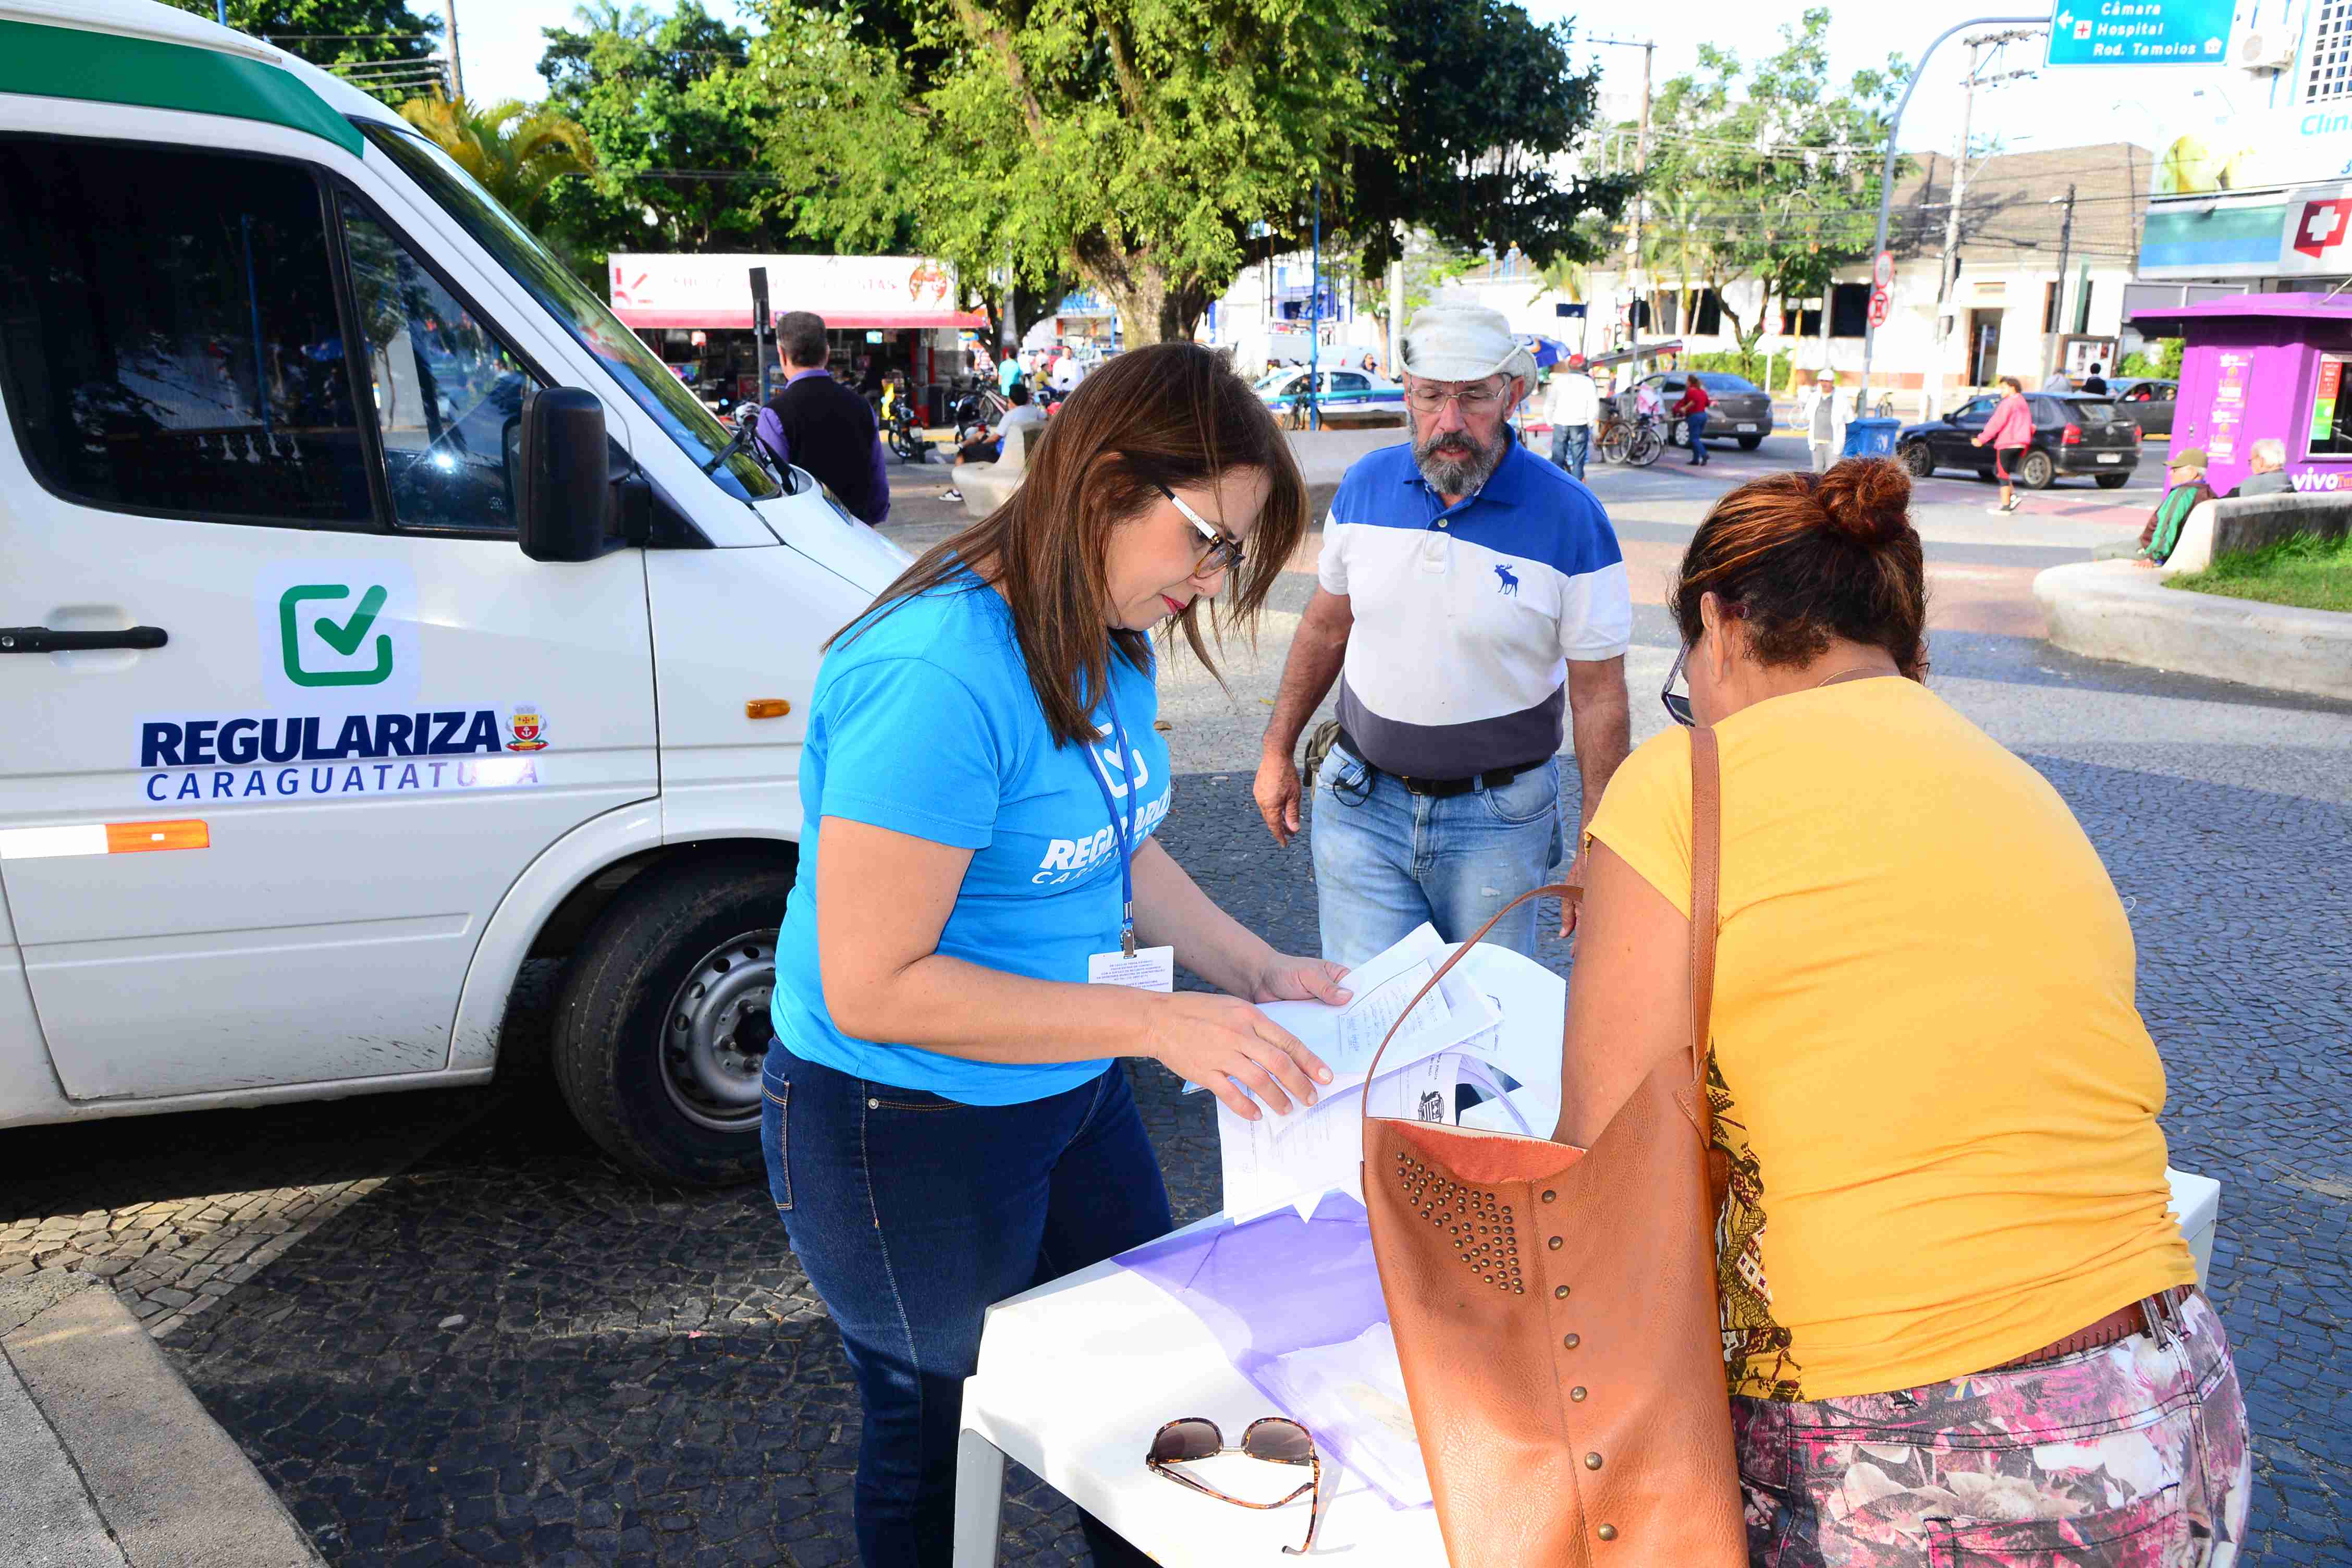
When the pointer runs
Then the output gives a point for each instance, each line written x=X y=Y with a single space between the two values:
x=1636 y=442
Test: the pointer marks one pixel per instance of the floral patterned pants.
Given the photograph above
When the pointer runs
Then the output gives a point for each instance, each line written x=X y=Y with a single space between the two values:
x=2131 y=1455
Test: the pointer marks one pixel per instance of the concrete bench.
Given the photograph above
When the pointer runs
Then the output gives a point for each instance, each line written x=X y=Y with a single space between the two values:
x=987 y=486
x=2233 y=527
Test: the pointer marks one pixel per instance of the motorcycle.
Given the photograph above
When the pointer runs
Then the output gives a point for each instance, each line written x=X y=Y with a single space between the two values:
x=900 y=431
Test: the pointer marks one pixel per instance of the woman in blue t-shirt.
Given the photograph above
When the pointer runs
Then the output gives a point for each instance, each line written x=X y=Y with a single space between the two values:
x=946 y=1122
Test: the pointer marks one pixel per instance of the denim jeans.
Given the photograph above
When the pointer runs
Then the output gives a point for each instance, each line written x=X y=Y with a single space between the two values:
x=912 y=1214
x=1570 y=443
x=1387 y=859
x=1695 y=428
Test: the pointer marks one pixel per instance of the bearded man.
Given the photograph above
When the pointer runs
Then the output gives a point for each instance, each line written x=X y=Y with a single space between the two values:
x=1470 y=597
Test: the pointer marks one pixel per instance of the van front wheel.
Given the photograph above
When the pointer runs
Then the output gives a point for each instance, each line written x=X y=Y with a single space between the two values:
x=662 y=1022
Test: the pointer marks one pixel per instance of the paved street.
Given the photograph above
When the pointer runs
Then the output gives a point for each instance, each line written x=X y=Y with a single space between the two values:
x=449 y=1331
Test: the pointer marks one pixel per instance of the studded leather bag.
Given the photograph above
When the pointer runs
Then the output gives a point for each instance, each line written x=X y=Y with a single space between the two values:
x=1555 y=1308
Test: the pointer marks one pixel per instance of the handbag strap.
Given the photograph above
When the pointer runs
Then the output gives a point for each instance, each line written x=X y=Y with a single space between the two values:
x=1707 y=858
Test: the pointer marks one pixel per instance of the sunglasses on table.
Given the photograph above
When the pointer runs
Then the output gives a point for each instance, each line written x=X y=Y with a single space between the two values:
x=1223 y=553
x=1274 y=1438
x=1678 y=704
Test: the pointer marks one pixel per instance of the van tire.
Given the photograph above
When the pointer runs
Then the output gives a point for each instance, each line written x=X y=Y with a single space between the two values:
x=613 y=1062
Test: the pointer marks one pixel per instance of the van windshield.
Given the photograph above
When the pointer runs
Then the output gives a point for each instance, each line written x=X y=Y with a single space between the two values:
x=589 y=320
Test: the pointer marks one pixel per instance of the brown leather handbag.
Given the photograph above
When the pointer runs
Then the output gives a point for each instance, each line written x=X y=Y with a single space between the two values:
x=1555 y=1308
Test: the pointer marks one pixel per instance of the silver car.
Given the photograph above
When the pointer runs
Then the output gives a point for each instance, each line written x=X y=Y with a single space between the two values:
x=1739 y=410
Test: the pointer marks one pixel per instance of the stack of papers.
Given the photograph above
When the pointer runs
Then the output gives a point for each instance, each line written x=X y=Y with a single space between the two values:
x=1495 y=1021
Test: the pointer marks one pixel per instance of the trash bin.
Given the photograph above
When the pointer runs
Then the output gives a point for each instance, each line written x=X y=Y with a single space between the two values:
x=1869 y=438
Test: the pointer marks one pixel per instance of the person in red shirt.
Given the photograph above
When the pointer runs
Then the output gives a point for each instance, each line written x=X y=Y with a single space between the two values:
x=1691 y=409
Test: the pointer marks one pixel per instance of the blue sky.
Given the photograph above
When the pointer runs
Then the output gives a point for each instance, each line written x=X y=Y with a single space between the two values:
x=500 y=47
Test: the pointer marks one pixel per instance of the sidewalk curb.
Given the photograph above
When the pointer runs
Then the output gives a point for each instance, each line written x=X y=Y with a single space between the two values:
x=163 y=1486
x=2114 y=609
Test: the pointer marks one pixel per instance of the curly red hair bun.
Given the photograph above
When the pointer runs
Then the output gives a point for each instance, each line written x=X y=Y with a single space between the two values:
x=1867 y=498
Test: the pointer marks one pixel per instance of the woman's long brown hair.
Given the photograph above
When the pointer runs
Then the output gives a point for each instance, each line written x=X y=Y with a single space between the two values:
x=1172 y=415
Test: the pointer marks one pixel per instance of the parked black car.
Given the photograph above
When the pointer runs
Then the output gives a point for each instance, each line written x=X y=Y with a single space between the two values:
x=1740 y=411
x=2146 y=402
x=2078 y=433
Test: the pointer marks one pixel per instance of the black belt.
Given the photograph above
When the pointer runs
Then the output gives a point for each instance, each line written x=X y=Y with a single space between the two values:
x=1492 y=778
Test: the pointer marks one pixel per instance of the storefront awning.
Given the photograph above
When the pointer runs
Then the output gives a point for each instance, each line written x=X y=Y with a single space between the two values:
x=722 y=318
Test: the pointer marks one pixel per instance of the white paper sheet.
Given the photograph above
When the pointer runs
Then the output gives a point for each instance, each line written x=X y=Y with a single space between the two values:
x=1322 y=1149
x=1358 y=1388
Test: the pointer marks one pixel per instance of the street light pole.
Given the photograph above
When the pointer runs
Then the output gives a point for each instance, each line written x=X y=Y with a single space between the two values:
x=1315 y=320
x=1886 y=169
x=449 y=28
x=1641 y=167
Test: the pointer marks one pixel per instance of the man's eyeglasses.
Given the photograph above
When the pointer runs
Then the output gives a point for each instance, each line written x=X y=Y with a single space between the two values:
x=1273 y=1438
x=1678 y=703
x=1429 y=396
x=1223 y=553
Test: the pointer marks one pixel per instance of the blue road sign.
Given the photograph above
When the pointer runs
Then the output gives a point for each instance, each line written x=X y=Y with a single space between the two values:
x=2140 y=32
x=1561 y=310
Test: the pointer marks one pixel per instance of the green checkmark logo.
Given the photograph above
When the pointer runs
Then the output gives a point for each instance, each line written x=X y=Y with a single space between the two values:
x=344 y=638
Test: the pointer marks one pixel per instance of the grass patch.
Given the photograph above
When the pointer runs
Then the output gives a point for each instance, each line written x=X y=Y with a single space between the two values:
x=2306 y=572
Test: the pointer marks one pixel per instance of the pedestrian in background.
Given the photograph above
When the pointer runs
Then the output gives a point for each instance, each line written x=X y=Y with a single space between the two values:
x=824 y=426
x=1008 y=375
x=1821 y=415
x=1958 y=1326
x=945 y=1118
x=2094 y=382
x=2184 y=491
x=2059 y=382
x=2009 y=432
x=1574 y=408
x=2266 y=470
x=1691 y=409
x=1470 y=599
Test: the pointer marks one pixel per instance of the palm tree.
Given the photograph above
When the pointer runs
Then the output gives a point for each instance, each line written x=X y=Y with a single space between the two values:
x=514 y=151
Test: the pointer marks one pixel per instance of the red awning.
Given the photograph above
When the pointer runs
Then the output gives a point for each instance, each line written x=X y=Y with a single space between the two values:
x=741 y=319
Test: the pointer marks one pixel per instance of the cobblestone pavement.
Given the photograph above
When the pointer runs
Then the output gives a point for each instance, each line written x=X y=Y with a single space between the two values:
x=504 y=1350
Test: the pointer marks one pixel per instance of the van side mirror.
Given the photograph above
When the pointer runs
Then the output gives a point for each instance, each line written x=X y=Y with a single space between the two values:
x=564 y=489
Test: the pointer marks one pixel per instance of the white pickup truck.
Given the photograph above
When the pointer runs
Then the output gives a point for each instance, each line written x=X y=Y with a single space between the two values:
x=377 y=613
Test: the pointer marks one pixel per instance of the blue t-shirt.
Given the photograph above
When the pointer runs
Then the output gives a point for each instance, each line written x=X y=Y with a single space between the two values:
x=925 y=724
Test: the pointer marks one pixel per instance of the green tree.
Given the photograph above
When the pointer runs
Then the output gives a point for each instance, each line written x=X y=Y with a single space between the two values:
x=676 y=145
x=377 y=36
x=1478 y=105
x=1135 y=144
x=514 y=151
x=1780 y=166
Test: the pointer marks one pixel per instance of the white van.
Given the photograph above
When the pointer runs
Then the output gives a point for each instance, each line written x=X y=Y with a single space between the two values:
x=376 y=613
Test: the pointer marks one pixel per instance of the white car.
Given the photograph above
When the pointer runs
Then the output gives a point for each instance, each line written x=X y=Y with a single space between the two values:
x=379 y=613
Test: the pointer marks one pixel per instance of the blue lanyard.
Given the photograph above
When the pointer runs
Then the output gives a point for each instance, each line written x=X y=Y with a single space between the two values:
x=1122 y=830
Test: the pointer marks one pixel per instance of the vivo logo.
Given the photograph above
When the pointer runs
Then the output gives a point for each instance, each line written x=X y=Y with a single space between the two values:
x=2311 y=480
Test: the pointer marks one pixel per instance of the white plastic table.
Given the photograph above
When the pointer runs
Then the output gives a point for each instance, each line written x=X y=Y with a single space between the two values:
x=1075 y=1377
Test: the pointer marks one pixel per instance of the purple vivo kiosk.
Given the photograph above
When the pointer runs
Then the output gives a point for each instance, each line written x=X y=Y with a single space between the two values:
x=2260 y=365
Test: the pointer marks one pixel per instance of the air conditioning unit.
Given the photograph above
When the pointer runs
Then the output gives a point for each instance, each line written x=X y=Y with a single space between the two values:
x=2262 y=49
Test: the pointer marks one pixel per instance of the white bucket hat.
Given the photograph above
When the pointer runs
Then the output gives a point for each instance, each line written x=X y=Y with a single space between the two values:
x=1459 y=341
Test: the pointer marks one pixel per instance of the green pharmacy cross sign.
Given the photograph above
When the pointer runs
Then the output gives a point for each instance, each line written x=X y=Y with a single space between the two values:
x=2141 y=32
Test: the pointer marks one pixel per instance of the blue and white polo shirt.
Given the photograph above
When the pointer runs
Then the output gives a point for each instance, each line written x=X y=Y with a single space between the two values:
x=1465 y=617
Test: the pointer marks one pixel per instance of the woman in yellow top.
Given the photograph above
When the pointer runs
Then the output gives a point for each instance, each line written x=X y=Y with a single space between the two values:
x=1958 y=1324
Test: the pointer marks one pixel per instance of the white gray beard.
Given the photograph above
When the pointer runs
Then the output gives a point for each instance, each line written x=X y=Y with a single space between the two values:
x=1459 y=476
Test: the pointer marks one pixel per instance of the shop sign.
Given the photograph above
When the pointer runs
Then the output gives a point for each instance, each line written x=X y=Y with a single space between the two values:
x=2259 y=151
x=2228 y=409
x=2323 y=408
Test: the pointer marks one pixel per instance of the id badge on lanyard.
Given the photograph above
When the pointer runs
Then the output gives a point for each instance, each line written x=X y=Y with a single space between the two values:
x=1144 y=969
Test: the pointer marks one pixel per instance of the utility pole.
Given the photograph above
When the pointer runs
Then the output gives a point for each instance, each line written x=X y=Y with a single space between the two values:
x=2058 y=304
x=449 y=37
x=1944 y=312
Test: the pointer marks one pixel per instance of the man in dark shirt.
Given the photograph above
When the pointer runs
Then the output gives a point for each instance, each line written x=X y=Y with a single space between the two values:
x=2094 y=382
x=825 y=427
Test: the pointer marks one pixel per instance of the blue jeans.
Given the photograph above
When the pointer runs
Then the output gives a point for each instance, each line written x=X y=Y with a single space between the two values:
x=1570 y=443
x=912 y=1214
x=1695 y=424
x=1387 y=859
